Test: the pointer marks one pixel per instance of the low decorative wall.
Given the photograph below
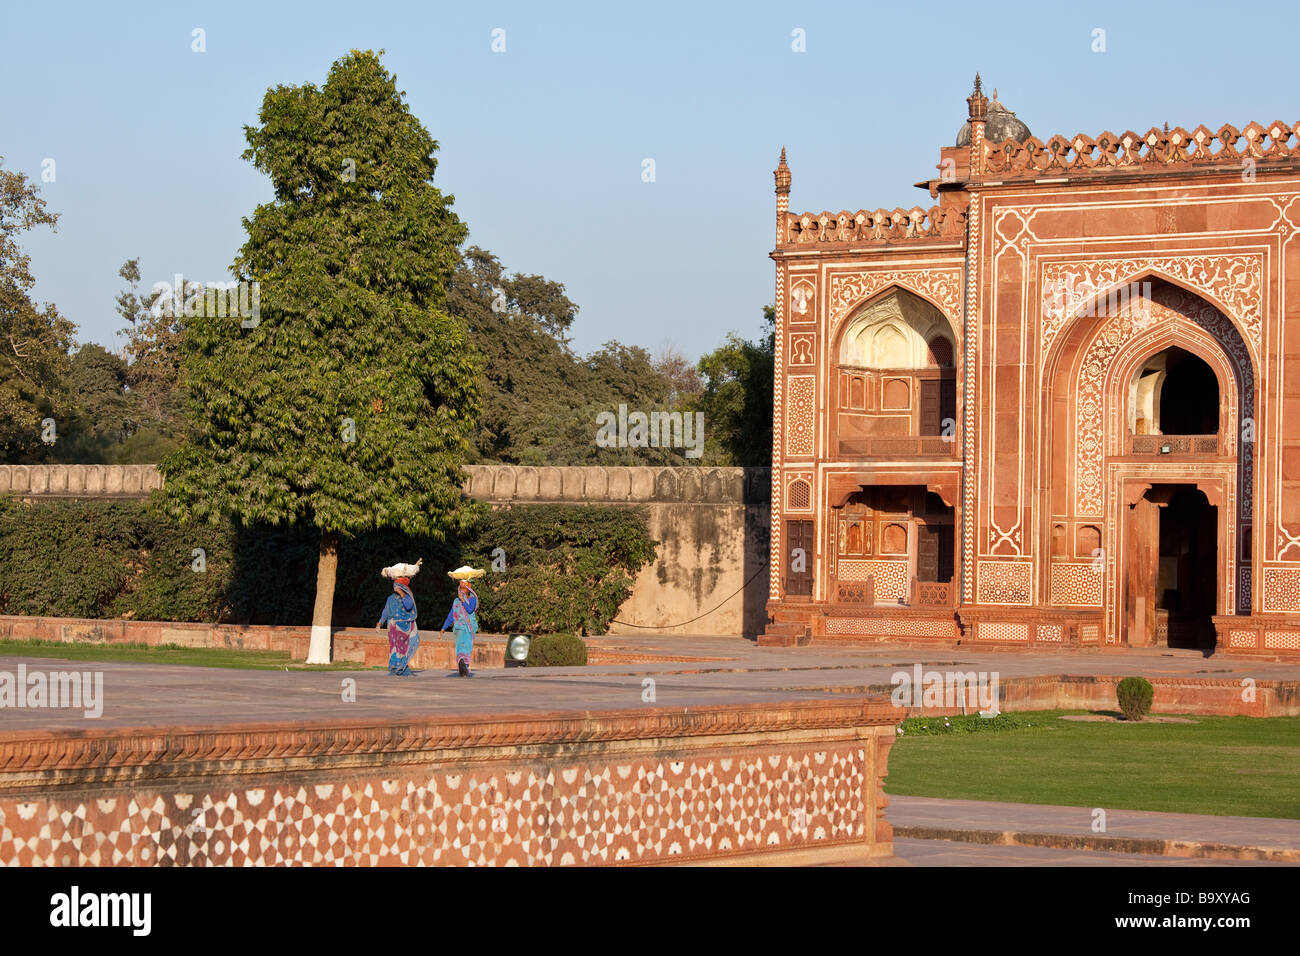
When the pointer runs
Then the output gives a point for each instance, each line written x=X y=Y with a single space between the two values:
x=1173 y=695
x=785 y=782
x=353 y=644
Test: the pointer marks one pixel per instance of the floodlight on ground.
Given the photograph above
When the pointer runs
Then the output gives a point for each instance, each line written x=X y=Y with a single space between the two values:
x=517 y=649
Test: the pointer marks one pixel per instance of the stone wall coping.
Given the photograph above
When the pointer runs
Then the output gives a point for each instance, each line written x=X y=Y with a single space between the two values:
x=588 y=484
x=59 y=758
x=596 y=484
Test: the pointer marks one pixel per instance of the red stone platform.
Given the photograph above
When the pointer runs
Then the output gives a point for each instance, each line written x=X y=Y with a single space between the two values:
x=798 y=781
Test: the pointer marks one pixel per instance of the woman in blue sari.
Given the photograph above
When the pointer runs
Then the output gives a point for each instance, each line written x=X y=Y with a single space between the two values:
x=464 y=624
x=403 y=635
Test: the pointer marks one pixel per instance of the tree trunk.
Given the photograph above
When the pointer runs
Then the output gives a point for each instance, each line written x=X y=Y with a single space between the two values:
x=326 y=572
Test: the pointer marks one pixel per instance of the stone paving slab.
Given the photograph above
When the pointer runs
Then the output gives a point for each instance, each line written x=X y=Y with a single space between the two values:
x=155 y=694
x=140 y=695
x=1170 y=834
x=946 y=853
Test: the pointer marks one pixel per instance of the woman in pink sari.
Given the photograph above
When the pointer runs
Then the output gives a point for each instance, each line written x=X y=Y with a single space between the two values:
x=464 y=624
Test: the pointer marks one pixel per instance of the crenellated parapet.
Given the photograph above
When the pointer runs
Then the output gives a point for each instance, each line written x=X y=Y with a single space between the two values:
x=596 y=484
x=1157 y=149
x=79 y=481
x=882 y=225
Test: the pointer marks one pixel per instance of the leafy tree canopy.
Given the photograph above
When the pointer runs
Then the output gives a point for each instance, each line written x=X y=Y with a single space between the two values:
x=737 y=398
x=350 y=400
x=540 y=400
x=34 y=342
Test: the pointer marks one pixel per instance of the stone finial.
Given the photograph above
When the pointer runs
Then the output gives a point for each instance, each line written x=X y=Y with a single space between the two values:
x=782 y=174
x=977 y=102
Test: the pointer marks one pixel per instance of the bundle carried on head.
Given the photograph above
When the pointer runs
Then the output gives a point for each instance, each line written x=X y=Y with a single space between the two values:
x=393 y=572
x=465 y=573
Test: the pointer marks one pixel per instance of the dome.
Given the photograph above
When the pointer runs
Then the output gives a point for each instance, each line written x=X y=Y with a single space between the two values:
x=1000 y=125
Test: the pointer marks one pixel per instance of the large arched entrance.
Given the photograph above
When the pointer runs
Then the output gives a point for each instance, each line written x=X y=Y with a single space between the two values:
x=1148 y=483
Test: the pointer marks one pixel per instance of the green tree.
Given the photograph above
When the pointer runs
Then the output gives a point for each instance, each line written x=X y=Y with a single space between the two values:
x=106 y=414
x=517 y=324
x=540 y=400
x=34 y=342
x=737 y=398
x=349 y=402
x=153 y=351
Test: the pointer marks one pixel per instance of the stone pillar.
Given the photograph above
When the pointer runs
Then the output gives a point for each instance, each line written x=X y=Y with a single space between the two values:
x=978 y=104
x=782 y=174
x=783 y=178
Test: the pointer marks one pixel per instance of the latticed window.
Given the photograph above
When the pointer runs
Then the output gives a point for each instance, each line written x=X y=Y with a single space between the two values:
x=799 y=496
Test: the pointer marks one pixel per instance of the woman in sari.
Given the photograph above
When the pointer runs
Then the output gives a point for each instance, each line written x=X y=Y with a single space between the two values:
x=403 y=635
x=464 y=624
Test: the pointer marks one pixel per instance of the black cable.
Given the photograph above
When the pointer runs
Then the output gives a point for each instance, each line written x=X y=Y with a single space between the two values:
x=656 y=627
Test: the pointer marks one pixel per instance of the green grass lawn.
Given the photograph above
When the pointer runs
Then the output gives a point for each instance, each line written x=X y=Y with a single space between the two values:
x=166 y=654
x=1232 y=766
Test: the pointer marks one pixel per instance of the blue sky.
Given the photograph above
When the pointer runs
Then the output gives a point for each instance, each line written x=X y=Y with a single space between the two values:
x=542 y=145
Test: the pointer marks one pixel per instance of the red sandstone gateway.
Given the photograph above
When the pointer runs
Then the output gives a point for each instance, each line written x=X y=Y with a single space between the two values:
x=1061 y=406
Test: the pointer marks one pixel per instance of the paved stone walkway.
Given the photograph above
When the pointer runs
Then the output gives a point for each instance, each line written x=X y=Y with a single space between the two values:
x=932 y=815
x=947 y=853
x=739 y=672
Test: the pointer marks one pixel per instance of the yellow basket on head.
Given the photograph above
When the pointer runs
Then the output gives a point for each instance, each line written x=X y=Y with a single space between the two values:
x=466 y=573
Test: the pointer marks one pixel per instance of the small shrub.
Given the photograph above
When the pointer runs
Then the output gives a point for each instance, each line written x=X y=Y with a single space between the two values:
x=557 y=650
x=1135 y=695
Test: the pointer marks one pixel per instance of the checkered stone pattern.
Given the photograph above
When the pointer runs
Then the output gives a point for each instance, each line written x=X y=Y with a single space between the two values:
x=645 y=810
x=1282 y=640
x=1001 y=631
x=891 y=627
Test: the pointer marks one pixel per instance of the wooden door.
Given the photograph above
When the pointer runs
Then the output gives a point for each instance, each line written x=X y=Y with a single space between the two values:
x=1141 y=556
x=798 y=557
x=938 y=405
x=934 y=557
x=931 y=419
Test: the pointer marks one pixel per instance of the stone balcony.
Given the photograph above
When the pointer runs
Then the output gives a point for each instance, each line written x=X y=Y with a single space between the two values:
x=897 y=446
x=1175 y=446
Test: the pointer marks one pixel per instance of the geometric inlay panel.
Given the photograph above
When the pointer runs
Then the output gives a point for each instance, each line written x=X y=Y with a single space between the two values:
x=1282 y=640
x=892 y=627
x=1076 y=585
x=1001 y=631
x=799 y=414
x=891 y=576
x=1281 y=589
x=1004 y=582
x=1050 y=632
x=638 y=809
x=1241 y=639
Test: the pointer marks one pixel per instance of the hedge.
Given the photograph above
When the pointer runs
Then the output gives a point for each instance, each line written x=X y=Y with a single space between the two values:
x=558 y=568
x=557 y=650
